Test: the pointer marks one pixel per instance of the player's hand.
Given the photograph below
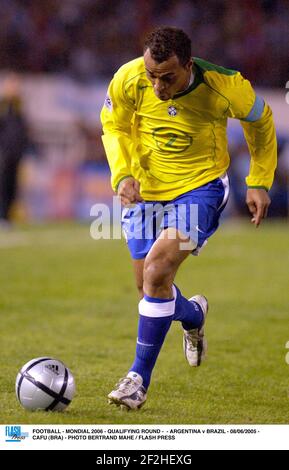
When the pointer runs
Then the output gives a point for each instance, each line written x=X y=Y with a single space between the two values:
x=129 y=191
x=258 y=202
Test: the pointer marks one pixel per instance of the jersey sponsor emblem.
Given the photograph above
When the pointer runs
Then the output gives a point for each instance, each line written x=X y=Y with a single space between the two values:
x=172 y=111
x=108 y=102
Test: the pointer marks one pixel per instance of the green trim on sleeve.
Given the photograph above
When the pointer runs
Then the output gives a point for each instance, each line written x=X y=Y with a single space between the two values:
x=258 y=187
x=121 y=179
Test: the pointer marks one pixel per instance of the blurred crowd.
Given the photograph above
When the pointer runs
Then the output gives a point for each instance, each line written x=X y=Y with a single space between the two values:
x=87 y=40
x=92 y=38
x=64 y=171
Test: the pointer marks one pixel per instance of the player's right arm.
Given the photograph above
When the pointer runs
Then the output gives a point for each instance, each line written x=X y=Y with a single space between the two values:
x=259 y=130
x=116 y=117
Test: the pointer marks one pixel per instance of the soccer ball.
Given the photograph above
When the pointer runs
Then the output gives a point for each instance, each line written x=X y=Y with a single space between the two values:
x=45 y=384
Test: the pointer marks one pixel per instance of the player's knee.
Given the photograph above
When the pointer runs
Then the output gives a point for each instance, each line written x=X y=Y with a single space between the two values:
x=157 y=272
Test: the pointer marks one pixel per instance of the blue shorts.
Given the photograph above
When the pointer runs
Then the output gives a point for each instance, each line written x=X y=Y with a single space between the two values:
x=195 y=213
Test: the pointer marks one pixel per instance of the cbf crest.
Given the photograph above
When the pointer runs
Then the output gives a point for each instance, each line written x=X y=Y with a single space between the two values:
x=172 y=111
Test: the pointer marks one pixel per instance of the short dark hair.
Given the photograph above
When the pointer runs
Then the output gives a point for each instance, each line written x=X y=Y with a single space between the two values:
x=165 y=41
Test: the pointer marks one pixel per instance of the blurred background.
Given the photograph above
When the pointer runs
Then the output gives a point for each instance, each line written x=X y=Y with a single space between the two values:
x=56 y=59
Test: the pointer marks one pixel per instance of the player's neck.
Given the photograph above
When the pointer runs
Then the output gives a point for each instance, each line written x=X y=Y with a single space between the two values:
x=192 y=78
x=190 y=82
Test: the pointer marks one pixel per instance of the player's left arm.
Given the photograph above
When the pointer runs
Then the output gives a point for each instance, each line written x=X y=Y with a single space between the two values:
x=257 y=121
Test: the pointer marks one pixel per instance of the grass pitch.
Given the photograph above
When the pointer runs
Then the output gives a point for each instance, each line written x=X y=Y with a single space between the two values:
x=67 y=296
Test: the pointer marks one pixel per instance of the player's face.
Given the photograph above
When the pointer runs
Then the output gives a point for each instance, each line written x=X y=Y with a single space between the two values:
x=168 y=78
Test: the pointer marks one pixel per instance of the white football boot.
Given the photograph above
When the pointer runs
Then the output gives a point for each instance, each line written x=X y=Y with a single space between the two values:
x=194 y=342
x=129 y=392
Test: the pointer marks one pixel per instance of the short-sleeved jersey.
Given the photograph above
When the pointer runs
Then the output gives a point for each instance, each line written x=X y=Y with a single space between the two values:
x=177 y=145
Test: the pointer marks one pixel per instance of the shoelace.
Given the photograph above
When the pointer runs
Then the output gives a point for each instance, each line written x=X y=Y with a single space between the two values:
x=125 y=384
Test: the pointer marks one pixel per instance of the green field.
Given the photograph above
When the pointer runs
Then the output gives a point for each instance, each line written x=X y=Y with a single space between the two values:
x=67 y=296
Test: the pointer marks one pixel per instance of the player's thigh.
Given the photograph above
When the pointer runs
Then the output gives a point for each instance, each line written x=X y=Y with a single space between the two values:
x=167 y=253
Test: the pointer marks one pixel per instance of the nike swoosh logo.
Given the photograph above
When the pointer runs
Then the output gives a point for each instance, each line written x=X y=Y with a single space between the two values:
x=199 y=230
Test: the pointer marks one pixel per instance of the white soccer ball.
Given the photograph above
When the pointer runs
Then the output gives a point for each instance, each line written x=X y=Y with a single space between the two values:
x=45 y=384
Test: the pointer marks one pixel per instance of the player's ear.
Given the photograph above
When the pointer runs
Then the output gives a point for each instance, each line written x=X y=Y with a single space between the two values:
x=189 y=65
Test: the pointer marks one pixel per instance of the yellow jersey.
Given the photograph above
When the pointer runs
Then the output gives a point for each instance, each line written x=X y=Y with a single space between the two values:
x=174 y=146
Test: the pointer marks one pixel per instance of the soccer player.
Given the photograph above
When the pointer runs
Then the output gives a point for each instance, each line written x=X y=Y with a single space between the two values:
x=164 y=121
